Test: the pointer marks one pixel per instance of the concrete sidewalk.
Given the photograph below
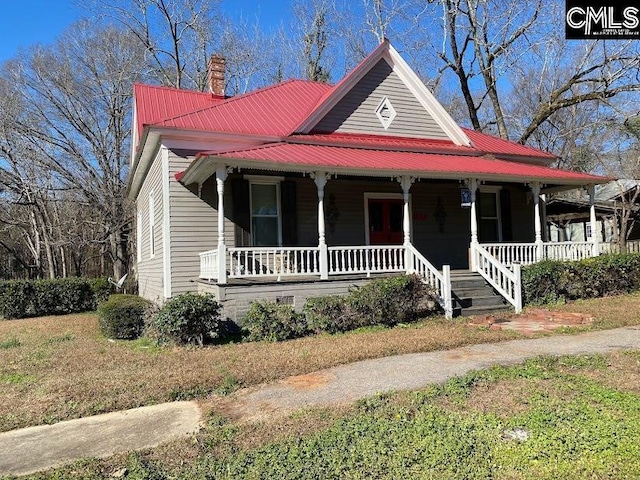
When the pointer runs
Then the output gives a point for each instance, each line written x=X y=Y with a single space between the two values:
x=33 y=449
x=38 y=448
x=351 y=382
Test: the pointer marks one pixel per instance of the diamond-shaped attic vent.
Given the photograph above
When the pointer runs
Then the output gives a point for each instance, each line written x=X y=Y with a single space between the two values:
x=385 y=112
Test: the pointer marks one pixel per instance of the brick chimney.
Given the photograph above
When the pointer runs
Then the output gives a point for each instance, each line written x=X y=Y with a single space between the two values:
x=217 y=67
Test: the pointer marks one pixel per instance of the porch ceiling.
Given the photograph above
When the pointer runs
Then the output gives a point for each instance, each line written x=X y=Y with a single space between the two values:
x=294 y=157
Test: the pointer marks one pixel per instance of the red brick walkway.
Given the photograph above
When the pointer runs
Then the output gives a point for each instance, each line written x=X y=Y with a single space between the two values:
x=533 y=320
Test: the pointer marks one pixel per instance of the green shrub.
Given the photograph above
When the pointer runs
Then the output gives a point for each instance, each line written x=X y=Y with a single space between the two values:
x=16 y=299
x=389 y=301
x=274 y=321
x=122 y=316
x=102 y=289
x=330 y=314
x=62 y=296
x=189 y=318
x=553 y=281
x=28 y=298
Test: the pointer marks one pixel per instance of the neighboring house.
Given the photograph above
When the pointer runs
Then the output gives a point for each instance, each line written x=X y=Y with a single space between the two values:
x=303 y=188
x=568 y=218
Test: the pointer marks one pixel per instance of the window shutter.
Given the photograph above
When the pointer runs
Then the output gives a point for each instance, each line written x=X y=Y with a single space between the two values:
x=241 y=211
x=505 y=215
x=288 y=203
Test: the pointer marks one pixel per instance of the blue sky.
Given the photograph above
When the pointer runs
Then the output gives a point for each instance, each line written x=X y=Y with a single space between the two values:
x=28 y=22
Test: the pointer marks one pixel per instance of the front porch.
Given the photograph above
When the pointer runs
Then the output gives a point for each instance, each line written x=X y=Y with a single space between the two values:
x=300 y=269
x=384 y=215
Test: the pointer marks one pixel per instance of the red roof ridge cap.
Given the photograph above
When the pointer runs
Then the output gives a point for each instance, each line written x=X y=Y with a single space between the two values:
x=181 y=90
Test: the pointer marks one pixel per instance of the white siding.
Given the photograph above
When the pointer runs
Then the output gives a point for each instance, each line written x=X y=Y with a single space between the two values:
x=150 y=278
x=355 y=113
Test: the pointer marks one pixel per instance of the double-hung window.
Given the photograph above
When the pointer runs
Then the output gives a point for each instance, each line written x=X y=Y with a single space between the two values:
x=265 y=214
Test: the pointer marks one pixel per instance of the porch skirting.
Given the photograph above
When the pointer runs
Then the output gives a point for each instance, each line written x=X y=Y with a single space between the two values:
x=236 y=297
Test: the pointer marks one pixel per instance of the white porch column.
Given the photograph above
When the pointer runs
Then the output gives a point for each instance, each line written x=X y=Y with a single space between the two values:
x=473 y=188
x=221 y=176
x=321 y=181
x=406 y=182
x=594 y=223
x=535 y=189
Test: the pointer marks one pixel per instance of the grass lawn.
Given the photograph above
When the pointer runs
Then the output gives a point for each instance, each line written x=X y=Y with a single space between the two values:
x=568 y=418
x=57 y=368
x=581 y=414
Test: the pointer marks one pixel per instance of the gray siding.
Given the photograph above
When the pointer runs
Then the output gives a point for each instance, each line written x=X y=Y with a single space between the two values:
x=355 y=113
x=193 y=224
x=150 y=270
x=236 y=299
x=446 y=245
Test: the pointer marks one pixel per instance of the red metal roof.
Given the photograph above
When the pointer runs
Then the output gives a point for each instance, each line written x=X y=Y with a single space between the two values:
x=397 y=162
x=382 y=142
x=270 y=111
x=277 y=110
x=500 y=146
x=154 y=103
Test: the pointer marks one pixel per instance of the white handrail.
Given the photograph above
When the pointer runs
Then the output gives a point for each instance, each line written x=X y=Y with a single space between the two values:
x=273 y=261
x=567 y=250
x=366 y=259
x=527 y=253
x=633 y=246
x=418 y=264
x=506 y=282
x=508 y=253
x=209 y=265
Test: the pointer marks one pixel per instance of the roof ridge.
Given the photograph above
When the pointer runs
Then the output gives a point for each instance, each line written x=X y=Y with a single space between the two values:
x=174 y=89
x=237 y=97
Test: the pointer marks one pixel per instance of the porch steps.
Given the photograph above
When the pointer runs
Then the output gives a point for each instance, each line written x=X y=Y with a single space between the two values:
x=472 y=295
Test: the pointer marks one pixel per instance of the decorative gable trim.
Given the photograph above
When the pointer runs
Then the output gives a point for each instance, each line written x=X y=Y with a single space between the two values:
x=409 y=78
x=426 y=98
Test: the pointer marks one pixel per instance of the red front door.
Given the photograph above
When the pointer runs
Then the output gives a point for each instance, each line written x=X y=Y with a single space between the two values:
x=385 y=221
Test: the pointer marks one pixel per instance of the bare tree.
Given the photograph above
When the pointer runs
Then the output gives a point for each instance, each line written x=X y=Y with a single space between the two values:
x=178 y=36
x=312 y=21
x=73 y=123
x=580 y=73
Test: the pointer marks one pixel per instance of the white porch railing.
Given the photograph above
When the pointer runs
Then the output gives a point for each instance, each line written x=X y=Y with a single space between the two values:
x=528 y=253
x=273 y=261
x=505 y=280
x=209 y=265
x=366 y=259
x=633 y=246
x=418 y=264
x=508 y=253
x=567 y=250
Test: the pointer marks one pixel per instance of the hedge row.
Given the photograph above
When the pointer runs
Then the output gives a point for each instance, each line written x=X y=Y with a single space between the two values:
x=380 y=302
x=35 y=298
x=554 y=281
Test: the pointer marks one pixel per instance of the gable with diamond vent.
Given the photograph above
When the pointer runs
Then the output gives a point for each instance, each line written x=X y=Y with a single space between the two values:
x=384 y=96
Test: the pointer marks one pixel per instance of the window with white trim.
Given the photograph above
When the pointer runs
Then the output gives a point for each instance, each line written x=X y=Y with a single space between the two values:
x=266 y=228
x=139 y=237
x=152 y=226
